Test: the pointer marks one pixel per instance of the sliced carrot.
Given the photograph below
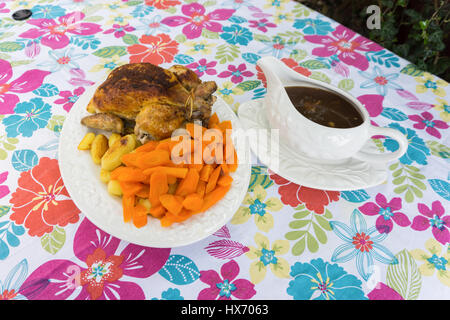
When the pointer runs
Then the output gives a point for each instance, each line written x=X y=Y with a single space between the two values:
x=128 y=207
x=143 y=193
x=234 y=164
x=117 y=171
x=153 y=158
x=139 y=216
x=225 y=125
x=171 y=203
x=171 y=179
x=158 y=211
x=212 y=181
x=131 y=188
x=193 y=202
x=213 y=120
x=206 y=172
x=158 y=187
x=201 y=188
x=225 y=180
x=196 y=131
x=188 y=184
x=147 y=147
x=225 y=168
x=170 y=171
x=131 y=174
x=214 y=196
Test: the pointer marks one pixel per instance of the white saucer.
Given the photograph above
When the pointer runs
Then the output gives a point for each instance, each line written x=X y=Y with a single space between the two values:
x=349 y=174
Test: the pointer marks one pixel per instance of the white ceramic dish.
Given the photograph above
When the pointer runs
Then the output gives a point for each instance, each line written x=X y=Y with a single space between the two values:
x=349 y=174
x=81 y=178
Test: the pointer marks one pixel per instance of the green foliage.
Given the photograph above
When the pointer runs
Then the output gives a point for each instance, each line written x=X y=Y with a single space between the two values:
x=415 y=30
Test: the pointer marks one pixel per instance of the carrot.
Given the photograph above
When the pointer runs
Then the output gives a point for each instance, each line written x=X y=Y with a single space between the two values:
x=128 y=207
x=117 y=171
x=158 y=187
x=225 y=125
x=171 y=179
x=130 y=174
x=214 y=196
x=233 y=165
x=193 y=202
x=171 y=203
x=153 y=158
x=225 y=168
x=129 y=159
x=158 y=211
x=170 y=171
x=143 y=193
x=225 y=180
x=212 y=181
x=213 y=120
x=206 y=172
x=195 y=131
x=188 y=184
x=139 y=216
x=201 y=187
x=147 y=147
x=131 y=188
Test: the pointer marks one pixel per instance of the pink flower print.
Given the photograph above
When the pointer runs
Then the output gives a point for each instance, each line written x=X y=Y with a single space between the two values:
x=104 y=269
x=387 y=211
x=237 y=73
x=262 y=24
x=196 y=19
x=3 y=9
x=425 y=121
x=119 y=31
x=69 y=98
x=202 y=66
x=4 y=190
x=435 y=219
x=345 y=45
x=54 y=33
x=225 y=285
x=373 y=103
x=28 y=81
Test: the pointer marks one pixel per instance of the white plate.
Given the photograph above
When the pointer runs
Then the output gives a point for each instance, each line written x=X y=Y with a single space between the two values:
x=81 y=178
x=351 y=174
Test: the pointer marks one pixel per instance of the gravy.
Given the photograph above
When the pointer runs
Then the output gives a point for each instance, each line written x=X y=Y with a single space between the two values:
x=324 y=107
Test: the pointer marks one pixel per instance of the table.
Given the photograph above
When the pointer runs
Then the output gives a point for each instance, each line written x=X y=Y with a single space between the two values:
x=286 y=241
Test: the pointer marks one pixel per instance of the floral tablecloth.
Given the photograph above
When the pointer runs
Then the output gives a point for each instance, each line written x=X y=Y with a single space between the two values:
x=286 y=241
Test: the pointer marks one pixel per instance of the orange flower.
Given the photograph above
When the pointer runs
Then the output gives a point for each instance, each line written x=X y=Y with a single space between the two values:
x=41 y=201
x=162 y=4
x=161 y=49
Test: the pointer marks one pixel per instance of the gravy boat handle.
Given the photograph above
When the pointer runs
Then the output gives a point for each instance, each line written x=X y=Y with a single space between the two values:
x=385 y=157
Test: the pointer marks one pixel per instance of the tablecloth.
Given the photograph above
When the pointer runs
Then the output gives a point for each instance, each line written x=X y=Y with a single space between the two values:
x=286 y=241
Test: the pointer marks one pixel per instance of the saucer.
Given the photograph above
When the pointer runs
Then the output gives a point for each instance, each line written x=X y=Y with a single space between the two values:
x=345 y=175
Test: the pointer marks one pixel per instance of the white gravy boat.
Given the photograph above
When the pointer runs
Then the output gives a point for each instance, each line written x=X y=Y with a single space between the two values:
x=321 y=143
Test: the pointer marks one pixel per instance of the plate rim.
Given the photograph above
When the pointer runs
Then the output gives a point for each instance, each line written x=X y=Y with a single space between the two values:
x=105 y=227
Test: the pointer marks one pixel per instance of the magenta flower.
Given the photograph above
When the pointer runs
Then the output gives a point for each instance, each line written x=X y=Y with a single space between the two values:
x=196 y=19
x=28 y=81
x=237 y=73
x=387 y=211
x=262 y=24
x=119 y=31
x=425 y=121
x=54 y=34
x=3 y=9
x=224 y=285
x=202 y=66
x=69 y=98
x=4 y=189
x=345 y=45
x=435 y=219
x=373 y=103
x=105 y=269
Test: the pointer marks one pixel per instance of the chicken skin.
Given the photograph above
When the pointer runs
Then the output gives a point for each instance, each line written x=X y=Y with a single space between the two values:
x=158 y=100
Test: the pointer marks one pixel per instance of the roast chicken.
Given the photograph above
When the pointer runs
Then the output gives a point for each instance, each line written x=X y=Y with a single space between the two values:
x=150 y=100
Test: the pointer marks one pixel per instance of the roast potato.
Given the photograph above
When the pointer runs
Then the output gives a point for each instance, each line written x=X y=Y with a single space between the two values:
x=86 y=142
x=98 y=148
x=112 y=158
x=114 y=188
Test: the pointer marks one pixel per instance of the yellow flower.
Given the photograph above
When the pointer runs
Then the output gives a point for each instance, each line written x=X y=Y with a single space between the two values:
x=444 y=108
x=278 y=4
x=428 y=81
x=23 y=4
x=119 y=18
x=435 y=259
x=201 y=46
x=115 y=5
x=265 y=256
x=228 y=90
x=108 y=64
x=282 y=16
x=258 y=207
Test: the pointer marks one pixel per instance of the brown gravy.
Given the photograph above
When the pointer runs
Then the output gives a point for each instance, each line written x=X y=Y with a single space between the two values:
x=324 y=107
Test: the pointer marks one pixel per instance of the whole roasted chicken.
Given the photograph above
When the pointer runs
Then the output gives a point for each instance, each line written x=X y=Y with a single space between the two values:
x=152 y=100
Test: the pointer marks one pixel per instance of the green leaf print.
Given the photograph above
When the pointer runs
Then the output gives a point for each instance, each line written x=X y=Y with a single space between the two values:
x=249 y=85
x=314 y=64
x=260 y=177
x=316 y=75
x=404 y=276
x=227 y=53
x=54 y=241
x=438 y=150
x=408 y=180
x=313 y=231
x=7 y=144
x=108 y=52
